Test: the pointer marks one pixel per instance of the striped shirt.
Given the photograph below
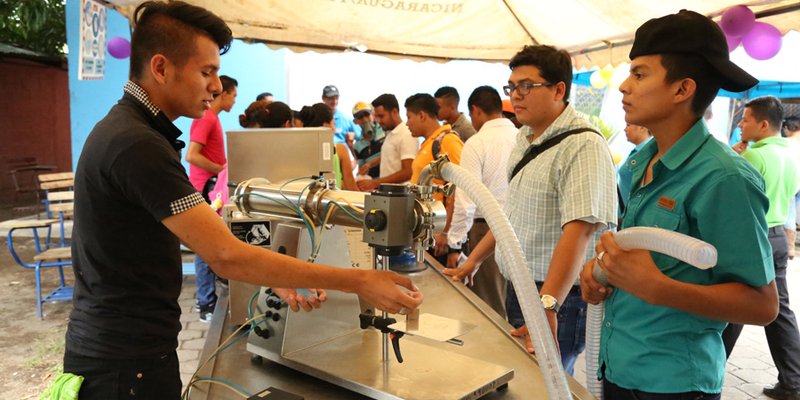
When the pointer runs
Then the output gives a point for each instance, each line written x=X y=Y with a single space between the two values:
x=574 y=180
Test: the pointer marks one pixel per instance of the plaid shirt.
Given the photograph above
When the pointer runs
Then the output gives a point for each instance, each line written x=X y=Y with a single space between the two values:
x=574 y=180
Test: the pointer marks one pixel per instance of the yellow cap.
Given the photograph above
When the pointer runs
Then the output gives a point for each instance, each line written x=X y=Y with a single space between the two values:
x=361 y=106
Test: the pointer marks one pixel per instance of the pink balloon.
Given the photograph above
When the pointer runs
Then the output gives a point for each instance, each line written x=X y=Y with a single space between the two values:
x=119 y=47
x=733 y=42
x=763 y=41
x=737 y=21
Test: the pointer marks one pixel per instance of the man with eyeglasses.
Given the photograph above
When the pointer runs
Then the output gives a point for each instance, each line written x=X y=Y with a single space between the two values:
x=561 y=194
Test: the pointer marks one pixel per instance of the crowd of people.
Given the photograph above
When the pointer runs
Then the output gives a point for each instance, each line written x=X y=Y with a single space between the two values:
x=667 y=325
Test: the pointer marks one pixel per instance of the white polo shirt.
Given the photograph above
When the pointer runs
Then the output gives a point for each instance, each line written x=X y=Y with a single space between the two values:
x=399 y=145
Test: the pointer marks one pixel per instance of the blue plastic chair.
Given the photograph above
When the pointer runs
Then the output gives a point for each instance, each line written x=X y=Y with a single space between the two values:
x=46 y=257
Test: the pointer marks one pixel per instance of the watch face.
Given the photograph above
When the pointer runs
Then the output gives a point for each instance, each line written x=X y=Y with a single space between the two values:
x=549 y=302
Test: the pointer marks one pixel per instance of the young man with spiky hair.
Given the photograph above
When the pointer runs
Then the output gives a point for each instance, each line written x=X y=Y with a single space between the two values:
x=134 y=204
x=661 y=337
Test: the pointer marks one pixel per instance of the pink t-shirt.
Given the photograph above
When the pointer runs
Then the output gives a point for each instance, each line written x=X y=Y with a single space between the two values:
x=208 y=132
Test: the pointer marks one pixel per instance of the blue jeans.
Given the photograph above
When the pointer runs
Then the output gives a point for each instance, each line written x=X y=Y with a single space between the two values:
x=206 y=284
x=571 y=324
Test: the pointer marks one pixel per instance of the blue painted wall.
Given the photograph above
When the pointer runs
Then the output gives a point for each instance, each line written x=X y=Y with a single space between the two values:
x=256 y=67
x=91 y=100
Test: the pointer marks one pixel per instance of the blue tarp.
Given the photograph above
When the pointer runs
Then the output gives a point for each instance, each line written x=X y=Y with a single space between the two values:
x=780 y=90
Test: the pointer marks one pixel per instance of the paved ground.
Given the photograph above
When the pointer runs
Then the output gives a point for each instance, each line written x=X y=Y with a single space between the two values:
x=749 y=370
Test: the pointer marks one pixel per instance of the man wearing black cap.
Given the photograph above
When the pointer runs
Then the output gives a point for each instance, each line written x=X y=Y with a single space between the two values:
x=345 y=130
x=661 y=336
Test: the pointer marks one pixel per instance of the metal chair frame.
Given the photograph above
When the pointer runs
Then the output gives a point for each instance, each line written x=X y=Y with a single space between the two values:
x=46 y=257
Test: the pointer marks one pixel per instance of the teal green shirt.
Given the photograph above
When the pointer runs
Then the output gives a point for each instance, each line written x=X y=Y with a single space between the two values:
x=774 y=160
x=700 y=187
x=625 y=173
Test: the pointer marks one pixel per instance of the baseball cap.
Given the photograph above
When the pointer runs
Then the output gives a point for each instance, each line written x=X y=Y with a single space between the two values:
x=361 y=106
x=688 y=32
x=330 y=91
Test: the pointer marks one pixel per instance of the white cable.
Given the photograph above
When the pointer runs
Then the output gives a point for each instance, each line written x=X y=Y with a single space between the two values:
x=508 y=245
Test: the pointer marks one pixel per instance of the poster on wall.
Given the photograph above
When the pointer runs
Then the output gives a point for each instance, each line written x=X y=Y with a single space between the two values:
x=92 y=56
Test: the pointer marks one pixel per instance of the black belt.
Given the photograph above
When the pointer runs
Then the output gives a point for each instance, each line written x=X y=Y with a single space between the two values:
x=479 y=221
x=776 y=229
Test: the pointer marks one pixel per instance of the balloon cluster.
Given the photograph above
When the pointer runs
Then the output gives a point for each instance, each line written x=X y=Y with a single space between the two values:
x=760 y=40
x=119 y=47
x=602 y=77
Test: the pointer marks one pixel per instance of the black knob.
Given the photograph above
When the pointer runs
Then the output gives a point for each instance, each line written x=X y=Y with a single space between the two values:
x=270 y=303
x=375 y=220
x=262 y=332
x=268 y=314
x=276 y=317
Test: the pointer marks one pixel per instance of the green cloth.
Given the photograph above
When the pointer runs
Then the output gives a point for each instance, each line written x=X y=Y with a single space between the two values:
x=701 y=188
x=772 y=157
x=337 y=168
x=64 y=387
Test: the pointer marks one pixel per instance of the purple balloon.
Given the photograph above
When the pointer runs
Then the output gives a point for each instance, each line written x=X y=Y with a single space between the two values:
x=733 y=42
x=119 y=47
x=763 y=41
x=737 y=21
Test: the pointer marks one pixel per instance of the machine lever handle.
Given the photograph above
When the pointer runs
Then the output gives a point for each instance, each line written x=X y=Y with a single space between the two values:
x=395 y=336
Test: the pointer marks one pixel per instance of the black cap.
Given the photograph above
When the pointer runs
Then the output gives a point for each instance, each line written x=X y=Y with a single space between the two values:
x=691 y=33
x=330 y=91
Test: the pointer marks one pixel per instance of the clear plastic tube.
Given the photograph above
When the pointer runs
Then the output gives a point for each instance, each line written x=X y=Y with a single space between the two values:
x=683 y=247
x=511 y=252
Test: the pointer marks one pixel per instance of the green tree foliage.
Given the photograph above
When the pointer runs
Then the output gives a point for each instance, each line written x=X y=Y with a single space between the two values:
x=36 y=25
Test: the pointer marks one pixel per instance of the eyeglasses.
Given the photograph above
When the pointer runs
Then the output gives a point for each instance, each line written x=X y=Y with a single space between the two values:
x=523 y=88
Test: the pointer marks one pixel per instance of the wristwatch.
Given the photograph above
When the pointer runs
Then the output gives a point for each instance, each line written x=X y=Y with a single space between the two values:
x=550 y=303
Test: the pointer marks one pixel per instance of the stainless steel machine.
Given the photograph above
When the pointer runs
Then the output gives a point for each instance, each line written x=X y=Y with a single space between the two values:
x=455 y=347
x=347 y=342
x=437 y=354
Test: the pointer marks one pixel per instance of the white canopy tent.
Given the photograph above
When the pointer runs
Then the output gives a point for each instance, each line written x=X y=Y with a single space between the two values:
x=595 y=32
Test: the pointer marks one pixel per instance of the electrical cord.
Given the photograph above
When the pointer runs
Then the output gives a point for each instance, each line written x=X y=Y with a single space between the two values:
x=226 y=384
x=230 y=340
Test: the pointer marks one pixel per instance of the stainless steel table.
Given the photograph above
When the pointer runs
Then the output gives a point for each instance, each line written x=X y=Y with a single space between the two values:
x=489 y=341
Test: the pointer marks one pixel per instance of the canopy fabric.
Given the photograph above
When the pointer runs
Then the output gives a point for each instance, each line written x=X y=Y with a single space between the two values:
x=595 y=32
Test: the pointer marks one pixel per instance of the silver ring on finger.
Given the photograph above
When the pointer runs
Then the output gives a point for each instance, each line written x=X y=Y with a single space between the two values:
x=600 y=258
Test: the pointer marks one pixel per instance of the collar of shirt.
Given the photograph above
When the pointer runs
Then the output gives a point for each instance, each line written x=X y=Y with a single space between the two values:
x=397 y=129
x=568 y=119
x=640 y=145
x=772 y=140
x=443 y=128
x=138 y=96
x=501 y=122
x=461 y=120
x=677 y=155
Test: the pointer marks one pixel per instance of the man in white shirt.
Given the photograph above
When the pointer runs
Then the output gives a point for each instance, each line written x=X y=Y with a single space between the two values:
x=399 y=148
x=485 y=155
